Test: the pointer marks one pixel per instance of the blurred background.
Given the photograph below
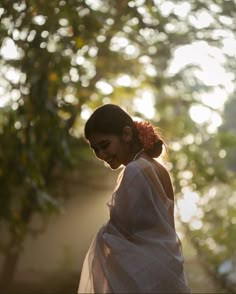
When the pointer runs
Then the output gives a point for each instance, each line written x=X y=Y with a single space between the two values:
x=171 y=62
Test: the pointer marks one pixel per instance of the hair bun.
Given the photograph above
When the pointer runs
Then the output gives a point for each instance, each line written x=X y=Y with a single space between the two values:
x=149 y=138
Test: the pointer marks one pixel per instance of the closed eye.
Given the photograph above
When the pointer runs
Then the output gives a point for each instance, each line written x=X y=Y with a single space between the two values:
x=102 y=145
x=105 y=145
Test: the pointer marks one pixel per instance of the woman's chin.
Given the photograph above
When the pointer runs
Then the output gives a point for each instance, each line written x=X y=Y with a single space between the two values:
x=113 y=165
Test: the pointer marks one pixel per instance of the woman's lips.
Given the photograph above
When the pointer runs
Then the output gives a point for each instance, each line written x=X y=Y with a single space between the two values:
x=109 y=161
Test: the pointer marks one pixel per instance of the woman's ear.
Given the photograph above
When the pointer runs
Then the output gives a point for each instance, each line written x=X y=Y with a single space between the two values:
x=127 y=134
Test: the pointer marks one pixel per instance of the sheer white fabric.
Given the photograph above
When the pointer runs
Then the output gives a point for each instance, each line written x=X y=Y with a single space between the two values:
x=138 y=250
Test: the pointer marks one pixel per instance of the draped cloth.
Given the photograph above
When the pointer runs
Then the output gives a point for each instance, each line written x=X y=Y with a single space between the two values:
x=138 y=250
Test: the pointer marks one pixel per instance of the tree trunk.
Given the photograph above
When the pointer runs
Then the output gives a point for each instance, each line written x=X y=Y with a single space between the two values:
x=10 y=264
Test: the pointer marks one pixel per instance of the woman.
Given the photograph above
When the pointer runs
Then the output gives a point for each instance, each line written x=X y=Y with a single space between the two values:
x=138 y=250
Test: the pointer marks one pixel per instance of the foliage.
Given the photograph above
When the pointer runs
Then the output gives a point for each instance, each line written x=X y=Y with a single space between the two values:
x=60 y=59
x=213 y=229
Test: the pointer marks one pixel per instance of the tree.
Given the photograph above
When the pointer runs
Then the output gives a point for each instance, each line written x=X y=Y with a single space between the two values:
x=69 y=57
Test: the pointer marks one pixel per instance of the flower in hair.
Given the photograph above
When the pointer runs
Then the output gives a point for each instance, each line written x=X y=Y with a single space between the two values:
x=146 y=134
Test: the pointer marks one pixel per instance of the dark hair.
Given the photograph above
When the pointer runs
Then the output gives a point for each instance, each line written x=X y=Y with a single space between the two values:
x=111 y=119
x=108 y=119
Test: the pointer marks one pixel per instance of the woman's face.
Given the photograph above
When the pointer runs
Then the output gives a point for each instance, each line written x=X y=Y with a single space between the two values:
x=111 y=148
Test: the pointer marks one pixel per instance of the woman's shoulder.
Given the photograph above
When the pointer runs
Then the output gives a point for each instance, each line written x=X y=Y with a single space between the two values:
x=136 y=170
x=138 y=165
x=150 y=167
x=162 y=169
x=132 y=169
x=142 y=164
x=146 y=161
x=129 y=174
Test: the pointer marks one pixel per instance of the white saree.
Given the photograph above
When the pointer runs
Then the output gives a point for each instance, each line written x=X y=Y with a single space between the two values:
x=138 y=250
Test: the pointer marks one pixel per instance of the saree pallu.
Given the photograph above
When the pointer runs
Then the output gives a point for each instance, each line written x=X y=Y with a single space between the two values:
x=138 y=250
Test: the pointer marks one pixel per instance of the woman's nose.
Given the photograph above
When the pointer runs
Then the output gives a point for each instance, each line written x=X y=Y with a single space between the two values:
x=101 y=154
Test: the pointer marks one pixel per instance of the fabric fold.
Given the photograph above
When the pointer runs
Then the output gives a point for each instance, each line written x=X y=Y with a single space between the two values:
x=138 y=250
